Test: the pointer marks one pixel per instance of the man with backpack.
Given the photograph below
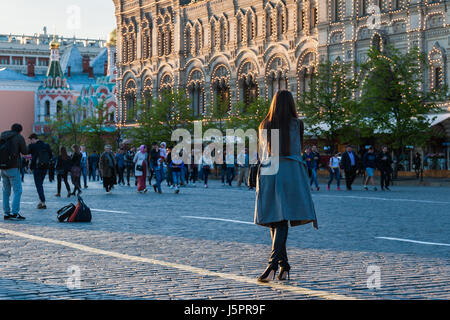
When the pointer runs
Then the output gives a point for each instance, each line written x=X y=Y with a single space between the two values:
x=41 y=155
x=12 y=145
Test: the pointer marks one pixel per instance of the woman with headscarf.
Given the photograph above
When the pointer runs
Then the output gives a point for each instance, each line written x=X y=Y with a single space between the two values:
x=108 y=169
x=141 y=168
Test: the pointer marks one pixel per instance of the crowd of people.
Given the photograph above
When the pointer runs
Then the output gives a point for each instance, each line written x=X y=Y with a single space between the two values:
x=146 y=167
x=350 y=165
x=142 y=167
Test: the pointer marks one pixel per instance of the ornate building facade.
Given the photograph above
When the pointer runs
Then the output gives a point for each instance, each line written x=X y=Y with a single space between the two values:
x=241 y=49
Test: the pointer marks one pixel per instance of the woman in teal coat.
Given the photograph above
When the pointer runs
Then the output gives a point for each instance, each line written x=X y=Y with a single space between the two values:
x=283 y=195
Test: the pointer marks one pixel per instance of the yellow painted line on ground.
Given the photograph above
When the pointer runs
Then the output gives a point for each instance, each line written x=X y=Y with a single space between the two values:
x=199 y=271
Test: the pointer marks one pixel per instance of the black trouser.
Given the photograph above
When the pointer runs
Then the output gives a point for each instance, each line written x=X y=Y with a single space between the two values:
x=76 y=181
x=279 y=233
x=39 y=177
x=385 y=178
x=194 y=174
x=61 y=177
x=108 y=183
x=252 y=176
x=130 y=170
x=206 y=171
x=51 y=174
x=350 y=176
x=120 y=171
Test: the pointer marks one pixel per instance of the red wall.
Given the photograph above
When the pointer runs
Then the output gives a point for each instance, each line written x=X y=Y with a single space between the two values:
x=17 y=107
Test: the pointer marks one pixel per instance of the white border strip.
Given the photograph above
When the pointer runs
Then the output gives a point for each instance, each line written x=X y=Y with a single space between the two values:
x=199 y=271
x=218 y=219
x=415 y=241
x=384 y=199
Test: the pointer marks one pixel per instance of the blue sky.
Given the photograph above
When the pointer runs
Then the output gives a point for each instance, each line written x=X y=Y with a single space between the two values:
x=82 y=18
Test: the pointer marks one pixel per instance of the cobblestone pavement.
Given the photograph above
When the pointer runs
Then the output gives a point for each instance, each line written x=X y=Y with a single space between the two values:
x=201 y=244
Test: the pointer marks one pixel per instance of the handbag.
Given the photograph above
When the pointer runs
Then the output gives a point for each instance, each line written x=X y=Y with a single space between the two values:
x=139 y=166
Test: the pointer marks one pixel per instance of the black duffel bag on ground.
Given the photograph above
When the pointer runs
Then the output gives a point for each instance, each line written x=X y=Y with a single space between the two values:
x=83 y=214
x=65 y=212
x=78 y=213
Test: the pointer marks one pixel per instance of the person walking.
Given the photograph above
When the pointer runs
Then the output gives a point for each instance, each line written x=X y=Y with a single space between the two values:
x=316 y=163
x=75 y=171
x=120 y=161
x=308 y=158
x=230 y=163
x=62 y=167
x=194 y=169
x=207 y=164
x=283 y=194
x=156 y=164
x=51 y=169
x=254 y=162
x=243 y=162
x=108 y=167
x=417 y=164
x=384 y=164
x=129 y=164
x=177 y=165
x=12 y=146
x=41 y=155
x=141 y=168
x=369 y=162
x=335 y=172
x=94 y=158
x=223 y=167
x=84 y=165
x=349 y=163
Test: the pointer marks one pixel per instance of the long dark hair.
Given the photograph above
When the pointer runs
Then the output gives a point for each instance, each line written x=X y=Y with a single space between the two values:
x=281 y=113
x=63 y=153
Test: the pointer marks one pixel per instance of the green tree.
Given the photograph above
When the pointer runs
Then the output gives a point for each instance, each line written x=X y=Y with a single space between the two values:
x=67 y=126
x=328 y=103
x=394 y=101
x=249 y=116
x=98 y=130
x=167 y=113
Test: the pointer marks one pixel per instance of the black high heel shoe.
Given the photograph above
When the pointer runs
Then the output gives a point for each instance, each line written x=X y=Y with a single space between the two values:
x=269 y=274
x=283 y=272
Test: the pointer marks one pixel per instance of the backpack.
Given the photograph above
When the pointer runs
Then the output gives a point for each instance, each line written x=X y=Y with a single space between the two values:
x=66 y=212
x=78 y=213
x=43 y=160
x=82 y=212
x=7 y=156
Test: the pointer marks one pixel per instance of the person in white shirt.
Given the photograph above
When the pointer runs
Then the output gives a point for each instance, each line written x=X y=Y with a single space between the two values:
x=334 y=167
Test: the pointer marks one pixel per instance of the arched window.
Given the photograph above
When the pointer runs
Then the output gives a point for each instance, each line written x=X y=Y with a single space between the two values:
x=147 y=93
x=130 y=101
x=195 y=89
x=146 y=40
x=59 y=107
x=221 y=86
x=198 y=39
x=161 y=42
x=47 y=109
x=187 y=41
x=251 y=31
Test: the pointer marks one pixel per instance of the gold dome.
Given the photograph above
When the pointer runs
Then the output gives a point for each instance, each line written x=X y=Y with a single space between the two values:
x=54 y=44
x=112 y=38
